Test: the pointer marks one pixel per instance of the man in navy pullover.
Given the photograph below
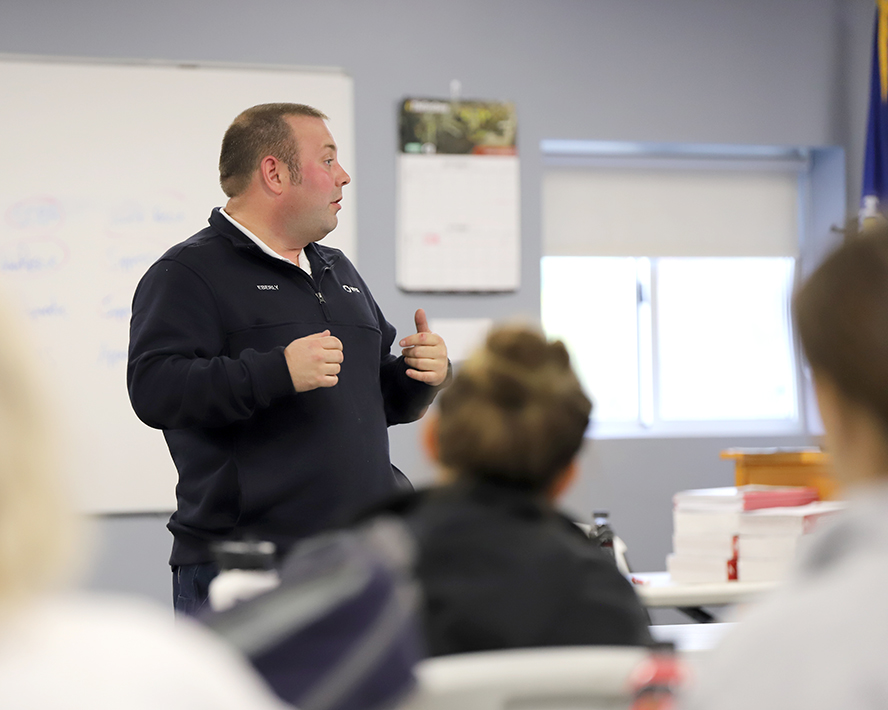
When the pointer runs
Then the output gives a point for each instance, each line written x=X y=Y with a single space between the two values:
x=264 y=358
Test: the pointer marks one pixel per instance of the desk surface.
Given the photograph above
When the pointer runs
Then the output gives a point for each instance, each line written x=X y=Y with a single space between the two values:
x=658 y=590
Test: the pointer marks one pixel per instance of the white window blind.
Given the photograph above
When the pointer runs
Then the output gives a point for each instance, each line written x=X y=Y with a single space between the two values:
x=670 y=211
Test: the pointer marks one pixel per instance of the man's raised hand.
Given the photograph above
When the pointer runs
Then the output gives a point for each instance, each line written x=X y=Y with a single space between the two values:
x=425 y=353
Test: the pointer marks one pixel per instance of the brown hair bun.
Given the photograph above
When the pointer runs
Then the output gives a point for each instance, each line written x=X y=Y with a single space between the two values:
x=515 y=411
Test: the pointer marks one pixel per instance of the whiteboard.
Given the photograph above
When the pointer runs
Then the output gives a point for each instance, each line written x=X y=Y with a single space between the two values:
x=104 y=166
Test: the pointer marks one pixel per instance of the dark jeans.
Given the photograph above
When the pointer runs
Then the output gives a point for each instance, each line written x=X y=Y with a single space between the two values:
x=191 y=585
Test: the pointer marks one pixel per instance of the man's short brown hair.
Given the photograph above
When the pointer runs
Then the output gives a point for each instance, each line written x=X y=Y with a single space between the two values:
x=256 y=133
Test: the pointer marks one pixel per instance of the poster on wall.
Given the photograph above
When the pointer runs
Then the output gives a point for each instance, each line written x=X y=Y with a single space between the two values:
x=458 y=196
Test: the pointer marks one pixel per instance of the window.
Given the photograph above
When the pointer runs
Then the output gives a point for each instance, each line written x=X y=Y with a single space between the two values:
x=603 y=341
x=670 y=283
x=725 y=349
x=720 y=358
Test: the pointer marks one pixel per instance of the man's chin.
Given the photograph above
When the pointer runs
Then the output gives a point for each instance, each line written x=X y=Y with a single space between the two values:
x=320 y=236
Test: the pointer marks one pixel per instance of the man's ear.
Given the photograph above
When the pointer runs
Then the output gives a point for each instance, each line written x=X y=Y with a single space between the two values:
x=563 y=481
x=430 y=423
x=272 y=174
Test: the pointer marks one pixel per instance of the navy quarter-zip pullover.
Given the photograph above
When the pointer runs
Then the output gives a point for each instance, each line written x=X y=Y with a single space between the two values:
x=210 y=322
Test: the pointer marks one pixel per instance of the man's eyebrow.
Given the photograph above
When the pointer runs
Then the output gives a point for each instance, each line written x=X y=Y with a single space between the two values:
x=330 y=146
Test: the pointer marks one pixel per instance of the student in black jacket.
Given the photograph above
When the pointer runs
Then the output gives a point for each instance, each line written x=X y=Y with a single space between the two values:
x=500 y=567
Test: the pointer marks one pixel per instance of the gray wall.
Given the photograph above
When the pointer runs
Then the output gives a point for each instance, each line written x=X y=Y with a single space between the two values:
x=714 y=71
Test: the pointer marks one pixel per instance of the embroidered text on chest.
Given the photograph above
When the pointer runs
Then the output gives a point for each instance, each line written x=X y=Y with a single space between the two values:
x=267 y=287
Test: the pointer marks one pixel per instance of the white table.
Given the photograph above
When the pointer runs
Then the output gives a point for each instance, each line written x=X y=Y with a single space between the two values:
x=656 y=589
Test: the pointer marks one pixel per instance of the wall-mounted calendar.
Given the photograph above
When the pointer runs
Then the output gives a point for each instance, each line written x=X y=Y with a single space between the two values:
x=458 y=196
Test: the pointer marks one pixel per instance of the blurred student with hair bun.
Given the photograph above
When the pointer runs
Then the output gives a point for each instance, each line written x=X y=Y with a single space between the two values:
x=60 y=649
x=499 y=565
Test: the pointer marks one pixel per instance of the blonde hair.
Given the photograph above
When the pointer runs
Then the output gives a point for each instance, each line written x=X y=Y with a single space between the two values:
x=37 y=530
x=515 y=411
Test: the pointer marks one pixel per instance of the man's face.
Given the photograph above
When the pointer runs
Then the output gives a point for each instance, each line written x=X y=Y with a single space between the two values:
x=313 y=203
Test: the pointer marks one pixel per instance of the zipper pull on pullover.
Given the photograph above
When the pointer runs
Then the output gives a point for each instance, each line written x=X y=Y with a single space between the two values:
x=323 y=302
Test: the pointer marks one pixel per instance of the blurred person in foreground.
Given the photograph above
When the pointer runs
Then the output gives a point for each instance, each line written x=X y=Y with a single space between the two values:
x=822 y=640
x=61 y=649
x=500 y=567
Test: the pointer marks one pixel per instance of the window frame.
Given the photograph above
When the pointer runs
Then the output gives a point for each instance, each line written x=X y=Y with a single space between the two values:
x=820 y=173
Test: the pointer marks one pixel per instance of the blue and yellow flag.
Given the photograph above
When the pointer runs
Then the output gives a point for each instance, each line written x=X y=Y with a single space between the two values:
x=875 y=168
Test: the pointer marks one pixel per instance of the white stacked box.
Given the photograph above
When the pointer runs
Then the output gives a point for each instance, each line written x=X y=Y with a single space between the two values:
x=769 y=539
x=708 y=526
